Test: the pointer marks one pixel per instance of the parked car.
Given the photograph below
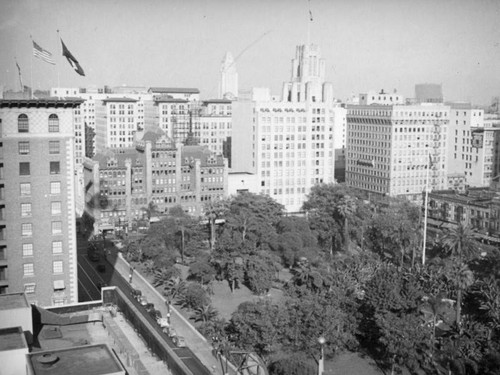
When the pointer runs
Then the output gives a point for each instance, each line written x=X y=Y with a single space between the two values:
x=169 y=331
x=101 y=268
x=143 y=301
x=179 y=341
x=136 y=294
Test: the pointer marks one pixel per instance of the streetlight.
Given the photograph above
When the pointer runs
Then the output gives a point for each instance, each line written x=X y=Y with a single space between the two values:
x=321 y=361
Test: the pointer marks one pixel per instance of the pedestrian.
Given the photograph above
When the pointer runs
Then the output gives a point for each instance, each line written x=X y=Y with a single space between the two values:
x=130 y=278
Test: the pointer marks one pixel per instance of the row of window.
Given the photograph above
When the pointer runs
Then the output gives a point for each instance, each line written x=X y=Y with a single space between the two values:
x=24 y=147
x=27 y=228
x=25 y=188
x=29 y=268
x=28 y=248
x=25 y=168
x=23 y=124
x=55 y=209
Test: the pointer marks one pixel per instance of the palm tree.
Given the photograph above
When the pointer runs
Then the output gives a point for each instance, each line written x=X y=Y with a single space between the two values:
x=464 y=278
x=205 y=314
x=215 y=210
x=346 y=208
x=173 y=290
x=461 y=243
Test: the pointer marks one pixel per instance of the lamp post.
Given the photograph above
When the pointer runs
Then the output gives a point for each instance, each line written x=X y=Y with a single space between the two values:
x=321 y=361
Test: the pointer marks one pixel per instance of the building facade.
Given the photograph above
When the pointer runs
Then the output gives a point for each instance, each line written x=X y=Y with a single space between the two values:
x=38 y=229
x=123 y=182
x=288 y=141
x=397 y=150
x=478 y=208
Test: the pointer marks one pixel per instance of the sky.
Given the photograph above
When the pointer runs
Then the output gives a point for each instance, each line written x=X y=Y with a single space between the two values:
x=367 y=44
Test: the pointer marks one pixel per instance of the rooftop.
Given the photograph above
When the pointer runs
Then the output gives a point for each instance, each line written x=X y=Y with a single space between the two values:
x=13 y=301
x=175 y=90
x=85 y=360
x=119 y=100
x=12 y=338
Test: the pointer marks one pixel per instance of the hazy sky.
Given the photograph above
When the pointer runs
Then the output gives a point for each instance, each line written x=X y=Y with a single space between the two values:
x=367 y=44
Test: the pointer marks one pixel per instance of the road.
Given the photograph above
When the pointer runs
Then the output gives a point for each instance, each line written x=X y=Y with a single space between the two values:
x=90 y=281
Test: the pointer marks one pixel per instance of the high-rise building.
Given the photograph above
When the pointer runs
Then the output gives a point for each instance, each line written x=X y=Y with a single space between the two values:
x=37 y=200
x=390 y=148
x=228 y=78
x=470 y=145
x=288 y=142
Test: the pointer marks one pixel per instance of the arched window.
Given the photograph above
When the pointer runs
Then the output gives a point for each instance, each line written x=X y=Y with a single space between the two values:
x=23 y=125
x=53 y=123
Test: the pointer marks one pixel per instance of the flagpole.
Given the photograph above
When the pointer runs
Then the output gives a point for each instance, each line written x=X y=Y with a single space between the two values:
x=31 y=71
x=58 y=83
x=425 y=207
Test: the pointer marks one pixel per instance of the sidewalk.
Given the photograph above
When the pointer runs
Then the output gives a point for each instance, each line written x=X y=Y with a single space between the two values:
x=194 y=340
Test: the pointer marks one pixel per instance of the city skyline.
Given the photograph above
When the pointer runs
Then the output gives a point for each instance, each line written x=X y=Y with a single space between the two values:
x=367 y=46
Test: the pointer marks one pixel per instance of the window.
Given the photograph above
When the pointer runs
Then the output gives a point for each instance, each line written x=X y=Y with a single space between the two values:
x=25 y=209
x=53 y=123
x=55 y=187
x=56 y=227
x=29 y=288
x=25 y=189
x=27 y=249
x=23 y=125
x=53 y=147
x=55 y=208
x=27 y=229
x=24 y=169
x=55 y=167
x=57 y=266
x=57 y=247
x=28 y=269
x=24 y=148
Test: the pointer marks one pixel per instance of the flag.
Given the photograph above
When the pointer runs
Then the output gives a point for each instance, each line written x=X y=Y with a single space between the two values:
x=20 y=76
x=42 y=54
x=71 y=59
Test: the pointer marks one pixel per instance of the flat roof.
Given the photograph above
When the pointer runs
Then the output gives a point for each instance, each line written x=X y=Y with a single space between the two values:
x=45 y=102
x=82 y=360
x=176 y=90
x=119 y=100
x=13 y=301
x=12 y=338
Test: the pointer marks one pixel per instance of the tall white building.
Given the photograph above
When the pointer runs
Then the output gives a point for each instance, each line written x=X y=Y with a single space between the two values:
x=470 y=151
x=390 y=148
x=288 y=142
x=228 y=78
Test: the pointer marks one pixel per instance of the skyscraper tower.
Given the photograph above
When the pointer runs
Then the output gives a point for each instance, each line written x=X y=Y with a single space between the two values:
x=229 y=78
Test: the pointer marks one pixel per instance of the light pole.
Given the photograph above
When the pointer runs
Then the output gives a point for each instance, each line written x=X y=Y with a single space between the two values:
x=321 y=361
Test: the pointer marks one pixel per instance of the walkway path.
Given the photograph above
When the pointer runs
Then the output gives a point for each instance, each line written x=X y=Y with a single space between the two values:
x=194 y=340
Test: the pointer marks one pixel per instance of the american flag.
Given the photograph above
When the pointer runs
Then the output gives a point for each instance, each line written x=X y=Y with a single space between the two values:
x=42 y=54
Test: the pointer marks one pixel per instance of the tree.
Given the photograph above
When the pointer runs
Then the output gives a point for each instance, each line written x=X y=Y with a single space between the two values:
x=259 y=273
x=463 y=278
x=330 y=208
x=193 y=297
x=201 y=271
x=215 y=210
x=151 y=210
x=461 y=243
x=205 y=314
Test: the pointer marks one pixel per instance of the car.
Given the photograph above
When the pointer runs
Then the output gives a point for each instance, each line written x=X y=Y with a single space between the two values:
x=179 y=341
x=169 y=331
x=143 y=301
x=101 y=268
x=136 y=294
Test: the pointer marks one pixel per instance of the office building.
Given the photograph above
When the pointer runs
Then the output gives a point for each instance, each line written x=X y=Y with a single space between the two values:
x=390 y=148
x=228 y=78
x=287 y=141
x=37 y=192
